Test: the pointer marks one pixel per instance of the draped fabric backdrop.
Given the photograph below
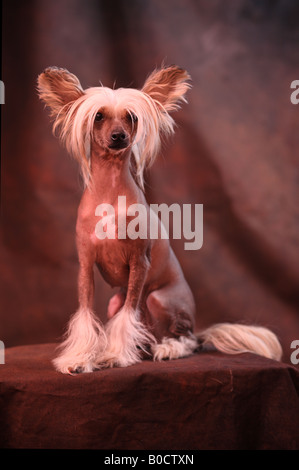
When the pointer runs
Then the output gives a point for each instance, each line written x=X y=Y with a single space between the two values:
x=235 y=151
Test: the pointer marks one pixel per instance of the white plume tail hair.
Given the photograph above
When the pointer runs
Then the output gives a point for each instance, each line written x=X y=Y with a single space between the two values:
x=236 y=338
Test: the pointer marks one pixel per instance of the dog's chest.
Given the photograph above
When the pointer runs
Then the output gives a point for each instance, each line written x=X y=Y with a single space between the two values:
x=111 y=260
x=102 y=229
x=110 y=253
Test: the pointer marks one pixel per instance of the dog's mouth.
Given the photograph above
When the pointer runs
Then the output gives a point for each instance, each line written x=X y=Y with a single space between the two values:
x=118 y=145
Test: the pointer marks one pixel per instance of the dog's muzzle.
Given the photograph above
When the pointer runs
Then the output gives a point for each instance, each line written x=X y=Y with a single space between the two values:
x=119 y=140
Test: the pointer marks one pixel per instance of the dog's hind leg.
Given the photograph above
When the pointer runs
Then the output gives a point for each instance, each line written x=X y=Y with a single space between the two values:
x=173 y=320
x=115 y=303
x=85 y=336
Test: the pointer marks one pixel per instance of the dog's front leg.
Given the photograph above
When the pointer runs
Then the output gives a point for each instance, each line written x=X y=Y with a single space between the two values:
x=127 y=336
x=85 y=337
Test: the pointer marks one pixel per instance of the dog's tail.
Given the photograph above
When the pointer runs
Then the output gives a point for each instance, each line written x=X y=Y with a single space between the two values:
x=235 y=339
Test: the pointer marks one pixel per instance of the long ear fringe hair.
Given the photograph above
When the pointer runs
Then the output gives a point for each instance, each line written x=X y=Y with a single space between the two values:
x=75 y=123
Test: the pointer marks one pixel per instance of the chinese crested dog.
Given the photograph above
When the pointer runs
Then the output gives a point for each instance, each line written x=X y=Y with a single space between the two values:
x=115 y=135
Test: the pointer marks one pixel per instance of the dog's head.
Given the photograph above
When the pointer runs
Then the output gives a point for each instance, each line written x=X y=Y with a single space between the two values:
x=112 y=121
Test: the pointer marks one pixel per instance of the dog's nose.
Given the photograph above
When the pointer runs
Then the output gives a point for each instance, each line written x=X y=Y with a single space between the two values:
x=119 y=139
x=118 y=136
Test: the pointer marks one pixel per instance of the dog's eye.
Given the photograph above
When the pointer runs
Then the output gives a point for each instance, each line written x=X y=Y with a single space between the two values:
x=99 y=116
x=132 y=117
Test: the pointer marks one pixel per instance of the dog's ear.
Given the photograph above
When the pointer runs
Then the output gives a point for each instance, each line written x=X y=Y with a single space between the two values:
x=168 y=86
x=58 y=87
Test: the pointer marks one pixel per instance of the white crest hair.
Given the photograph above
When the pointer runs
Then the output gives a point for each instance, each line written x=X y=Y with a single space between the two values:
x=76 y=122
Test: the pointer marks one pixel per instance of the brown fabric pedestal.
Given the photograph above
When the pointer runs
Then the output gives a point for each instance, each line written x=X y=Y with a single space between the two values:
x=206 y=401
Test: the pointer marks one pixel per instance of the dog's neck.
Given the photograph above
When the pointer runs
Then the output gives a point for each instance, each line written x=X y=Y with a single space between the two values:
x=110 y=173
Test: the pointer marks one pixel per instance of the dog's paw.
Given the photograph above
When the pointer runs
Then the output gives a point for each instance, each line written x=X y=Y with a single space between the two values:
x=172 y=348
x=108 y=360
x=84 y=341
x=66 y=365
